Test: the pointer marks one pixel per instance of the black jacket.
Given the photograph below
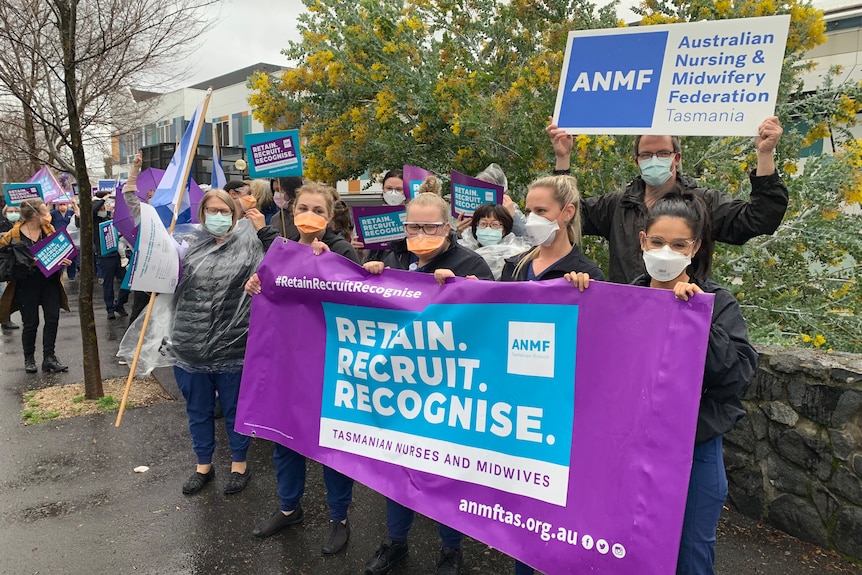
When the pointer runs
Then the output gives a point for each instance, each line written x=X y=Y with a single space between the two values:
x=619 y=216
x=337 y=244
x=5 y=225
x=462 y=261
x=285 y=227
x=730 y=364
x=575 y=261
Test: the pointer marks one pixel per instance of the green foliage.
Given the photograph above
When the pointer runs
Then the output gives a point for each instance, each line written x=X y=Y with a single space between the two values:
x=35 y=415
x=457 y=85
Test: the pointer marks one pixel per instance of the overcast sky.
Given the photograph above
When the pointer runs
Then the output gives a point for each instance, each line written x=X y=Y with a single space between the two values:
x=250 y=31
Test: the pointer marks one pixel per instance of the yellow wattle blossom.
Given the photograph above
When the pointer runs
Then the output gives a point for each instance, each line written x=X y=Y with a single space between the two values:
x=818 y=340
x=805 y=338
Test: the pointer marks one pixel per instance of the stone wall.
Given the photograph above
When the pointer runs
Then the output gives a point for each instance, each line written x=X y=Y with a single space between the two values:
x=795 y=461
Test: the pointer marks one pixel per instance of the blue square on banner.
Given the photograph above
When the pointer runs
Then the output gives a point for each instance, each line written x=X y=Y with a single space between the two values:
x=613 y=80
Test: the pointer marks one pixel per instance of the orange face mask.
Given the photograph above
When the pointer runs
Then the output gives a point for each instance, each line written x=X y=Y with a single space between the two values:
x=424 y=245
x=248 y=202
x=309 y=223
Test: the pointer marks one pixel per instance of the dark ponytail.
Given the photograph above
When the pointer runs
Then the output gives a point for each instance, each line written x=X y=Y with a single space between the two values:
x=690 y=207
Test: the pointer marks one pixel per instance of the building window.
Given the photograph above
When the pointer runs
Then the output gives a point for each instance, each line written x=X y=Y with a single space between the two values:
x=222 y=130
x=165 y=134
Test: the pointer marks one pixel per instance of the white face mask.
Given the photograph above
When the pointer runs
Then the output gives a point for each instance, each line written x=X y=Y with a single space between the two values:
x=393 y=198
x=278 y=198
x=665 y=264
x=541 y=231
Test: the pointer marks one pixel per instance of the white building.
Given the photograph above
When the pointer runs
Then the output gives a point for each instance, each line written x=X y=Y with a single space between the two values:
x=165 y=117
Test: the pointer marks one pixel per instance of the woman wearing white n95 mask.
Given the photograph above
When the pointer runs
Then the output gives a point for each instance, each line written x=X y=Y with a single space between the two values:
x=554 y=229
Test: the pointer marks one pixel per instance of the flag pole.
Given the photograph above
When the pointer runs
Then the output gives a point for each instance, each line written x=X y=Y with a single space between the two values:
x=179 y=198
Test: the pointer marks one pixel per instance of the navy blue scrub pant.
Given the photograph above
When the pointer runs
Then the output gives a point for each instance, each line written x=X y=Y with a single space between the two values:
x=290 y=477
x=399 y=520
x=199 y=389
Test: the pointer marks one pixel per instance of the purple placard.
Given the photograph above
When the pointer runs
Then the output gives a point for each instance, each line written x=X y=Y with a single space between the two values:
x=468 y=193
x=619 y=507
x=376 y=226
x=413 y=178
x=50 y=251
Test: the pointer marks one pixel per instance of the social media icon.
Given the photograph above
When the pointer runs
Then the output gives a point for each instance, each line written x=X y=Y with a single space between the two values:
x=587 y=542
x=602 y=546
x=618 y=550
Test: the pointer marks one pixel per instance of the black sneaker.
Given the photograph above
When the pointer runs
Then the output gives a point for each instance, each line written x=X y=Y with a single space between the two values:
x=450 y=561
x=387 y=555
x=277 y=522
x=52 y=365
x=237 y=482
x=111 y=315
x=30 y=364
x=121 y=311
x=197 y=481
x=9 y=325
x=339 y=533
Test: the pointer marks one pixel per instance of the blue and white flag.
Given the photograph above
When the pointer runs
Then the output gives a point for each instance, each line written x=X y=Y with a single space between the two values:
x=171 y=198
x=219 y=180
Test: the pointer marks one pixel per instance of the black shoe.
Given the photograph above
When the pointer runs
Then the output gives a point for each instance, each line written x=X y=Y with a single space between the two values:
x=197 y=481
x=111 y=315
x=237 y=482
x=339 y=533
x=121 y=311
x=52 y=365
x=387 y=555
x=30 y=364
x=9 y=325
x=278 y=522
x=450 y=561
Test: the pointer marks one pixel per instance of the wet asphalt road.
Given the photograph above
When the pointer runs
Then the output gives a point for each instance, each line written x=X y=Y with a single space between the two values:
x=71 y=504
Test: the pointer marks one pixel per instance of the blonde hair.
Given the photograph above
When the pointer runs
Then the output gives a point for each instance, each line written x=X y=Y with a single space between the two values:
x=221 y=195
x=432 y=200
x=328 y=192
x=431 y=185
x=262 y=192
x=564 y=191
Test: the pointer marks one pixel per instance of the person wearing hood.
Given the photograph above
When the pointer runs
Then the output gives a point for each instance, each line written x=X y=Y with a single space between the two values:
x=210 y=326
x=283 y=194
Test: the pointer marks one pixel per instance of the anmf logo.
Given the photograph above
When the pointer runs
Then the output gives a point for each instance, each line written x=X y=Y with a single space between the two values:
x=531 y=348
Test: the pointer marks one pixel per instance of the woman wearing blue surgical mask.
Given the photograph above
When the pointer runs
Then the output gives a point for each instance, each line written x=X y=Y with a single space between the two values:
x=554 y=229
x=208 y=334
x=11 y=214
x=677 y=252
x=490 y=235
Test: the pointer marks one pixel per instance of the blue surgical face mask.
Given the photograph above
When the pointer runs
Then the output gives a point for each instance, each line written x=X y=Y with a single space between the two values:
x=489 y=236
x=13 y=216
x=218 y=224
x=102 y=214
x=656 y=171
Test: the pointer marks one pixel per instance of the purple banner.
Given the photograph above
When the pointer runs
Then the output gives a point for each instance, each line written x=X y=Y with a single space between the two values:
x=52 y=191
x=376 y=226
x=558 y=431
x=413 y=178
x=53 y=250
x=469 y=193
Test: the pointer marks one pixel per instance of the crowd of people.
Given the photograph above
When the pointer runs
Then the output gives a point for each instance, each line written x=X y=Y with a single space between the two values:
x=660 y=228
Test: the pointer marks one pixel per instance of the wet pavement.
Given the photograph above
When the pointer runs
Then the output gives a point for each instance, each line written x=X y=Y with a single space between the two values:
x=70 y=502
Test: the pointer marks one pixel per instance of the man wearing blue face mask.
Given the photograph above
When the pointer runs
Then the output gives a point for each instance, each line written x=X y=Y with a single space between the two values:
x=618 y=216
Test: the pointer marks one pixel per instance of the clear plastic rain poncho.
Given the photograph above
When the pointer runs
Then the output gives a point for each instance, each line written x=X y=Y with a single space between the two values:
x=202 y=327
x=495 y=256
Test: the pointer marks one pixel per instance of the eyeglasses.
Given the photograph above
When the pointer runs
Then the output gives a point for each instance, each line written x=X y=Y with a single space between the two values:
x=428 y=229
x=216 y=211
x=399 y=190
x=493 y=225
x=663 y=154
x=677 y=245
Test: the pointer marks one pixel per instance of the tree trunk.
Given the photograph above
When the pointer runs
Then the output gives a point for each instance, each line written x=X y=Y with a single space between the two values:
x=30 y=138
x=67 y=11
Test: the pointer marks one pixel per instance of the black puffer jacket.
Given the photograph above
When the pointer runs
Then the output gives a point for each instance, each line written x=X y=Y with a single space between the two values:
x=212 y=309
x=619 y=216
x=730 y=364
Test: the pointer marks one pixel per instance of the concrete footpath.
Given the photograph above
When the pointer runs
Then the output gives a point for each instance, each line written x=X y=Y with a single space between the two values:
x=71 y=504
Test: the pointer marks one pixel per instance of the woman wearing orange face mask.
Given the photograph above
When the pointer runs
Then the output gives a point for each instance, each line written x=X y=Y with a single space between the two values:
x=312 y=211
x=430 y=247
